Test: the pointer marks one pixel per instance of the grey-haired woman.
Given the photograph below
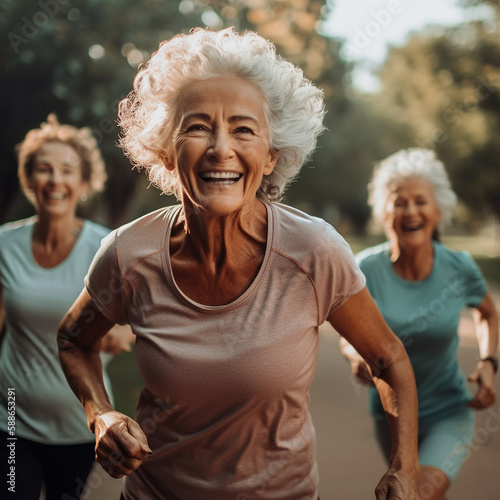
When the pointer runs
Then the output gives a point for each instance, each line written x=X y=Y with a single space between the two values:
x=421 y=287
x=226 y=291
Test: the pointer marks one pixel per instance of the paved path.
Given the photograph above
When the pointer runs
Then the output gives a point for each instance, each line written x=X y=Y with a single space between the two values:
x=350 y=464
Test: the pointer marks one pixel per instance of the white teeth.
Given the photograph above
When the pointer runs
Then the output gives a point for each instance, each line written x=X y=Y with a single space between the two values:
x=219 y=175
x=56 y=196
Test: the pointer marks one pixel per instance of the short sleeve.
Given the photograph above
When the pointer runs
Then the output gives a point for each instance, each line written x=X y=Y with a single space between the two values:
x=105 y=284
x=475 y=284
x=339 y=277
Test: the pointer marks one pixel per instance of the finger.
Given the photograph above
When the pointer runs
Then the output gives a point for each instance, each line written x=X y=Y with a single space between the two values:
x=382 y=493
x=137 y=433
x=116 y=464
x=125 y=346
x=476 y=403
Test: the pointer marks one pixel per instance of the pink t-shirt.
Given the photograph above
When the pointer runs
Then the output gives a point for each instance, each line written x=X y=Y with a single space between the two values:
x=225 y=403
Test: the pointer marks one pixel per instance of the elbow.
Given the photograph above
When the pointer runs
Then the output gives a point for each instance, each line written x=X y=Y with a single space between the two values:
x=67 y=333
x=390 y=355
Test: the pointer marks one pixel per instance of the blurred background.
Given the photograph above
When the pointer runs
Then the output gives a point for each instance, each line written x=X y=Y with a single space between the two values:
x=395 y=73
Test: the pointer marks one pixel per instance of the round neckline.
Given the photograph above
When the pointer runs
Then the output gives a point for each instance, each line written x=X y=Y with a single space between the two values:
x=64 y=261
x=419 y=282
x=204 y=307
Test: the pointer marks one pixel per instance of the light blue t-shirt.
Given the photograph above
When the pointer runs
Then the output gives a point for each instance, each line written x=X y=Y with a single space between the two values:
x=425 y=316
x=35 y=301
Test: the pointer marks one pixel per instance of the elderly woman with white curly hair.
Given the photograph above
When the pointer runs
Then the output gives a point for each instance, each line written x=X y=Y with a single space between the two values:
x=421 y=286
x=225 y=291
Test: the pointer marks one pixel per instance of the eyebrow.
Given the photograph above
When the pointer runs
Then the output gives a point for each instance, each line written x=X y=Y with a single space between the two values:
x=47 y=161
x=232 y=119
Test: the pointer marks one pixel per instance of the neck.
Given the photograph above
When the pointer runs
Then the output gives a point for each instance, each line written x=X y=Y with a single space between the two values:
x=412 y=263
x=55 y=232
x=219 y=240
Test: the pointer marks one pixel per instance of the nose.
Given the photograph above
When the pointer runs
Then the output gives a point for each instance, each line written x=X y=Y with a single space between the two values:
x=55 y=175
x=220 y=147
x=410 y=208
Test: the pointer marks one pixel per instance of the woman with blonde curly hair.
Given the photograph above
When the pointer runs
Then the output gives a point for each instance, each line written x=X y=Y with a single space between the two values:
x=225 y=292
x=43 y=260
x=421 y=287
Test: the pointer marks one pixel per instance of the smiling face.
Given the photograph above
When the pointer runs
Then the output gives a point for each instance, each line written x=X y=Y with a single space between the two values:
x=56 y=179
x=221 y=145
x=412 y=213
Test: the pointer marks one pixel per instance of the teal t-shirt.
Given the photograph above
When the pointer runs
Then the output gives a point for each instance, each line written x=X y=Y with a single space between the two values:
x=425 y=316
x=35 y=300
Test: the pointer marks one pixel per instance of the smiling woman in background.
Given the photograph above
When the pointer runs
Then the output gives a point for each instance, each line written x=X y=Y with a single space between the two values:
x=43 y=261
x=226 y=291
x=420 y=286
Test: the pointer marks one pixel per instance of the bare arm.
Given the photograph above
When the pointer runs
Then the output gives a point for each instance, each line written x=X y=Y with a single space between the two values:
x=359 y=368
x=486 y=323
x=360 y=322
x=121 y=446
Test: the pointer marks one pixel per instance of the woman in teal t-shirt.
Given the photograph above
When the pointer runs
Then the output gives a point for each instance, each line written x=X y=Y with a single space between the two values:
x=43 y=261
x=420 y=286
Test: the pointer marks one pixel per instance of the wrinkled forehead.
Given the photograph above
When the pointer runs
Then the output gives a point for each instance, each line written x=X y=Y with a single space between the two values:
x=411 y=185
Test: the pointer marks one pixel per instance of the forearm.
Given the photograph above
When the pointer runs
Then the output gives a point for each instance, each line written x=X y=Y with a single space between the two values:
x=79 y=341
x=487 y=334
x=396 y=386
x=486 y=323
x=83 y=370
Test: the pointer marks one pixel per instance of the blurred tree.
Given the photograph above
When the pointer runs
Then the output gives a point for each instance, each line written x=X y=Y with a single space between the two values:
x=445 y=83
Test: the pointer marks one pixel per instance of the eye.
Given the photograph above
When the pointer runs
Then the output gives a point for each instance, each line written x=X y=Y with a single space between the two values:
x=244 y=130
x=41 y=167
x=197 y=127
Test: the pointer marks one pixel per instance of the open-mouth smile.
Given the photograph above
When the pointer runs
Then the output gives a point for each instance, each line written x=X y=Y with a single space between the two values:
x=220 y=177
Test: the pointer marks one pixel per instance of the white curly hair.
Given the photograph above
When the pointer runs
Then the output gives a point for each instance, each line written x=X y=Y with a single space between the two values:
x=293 y=105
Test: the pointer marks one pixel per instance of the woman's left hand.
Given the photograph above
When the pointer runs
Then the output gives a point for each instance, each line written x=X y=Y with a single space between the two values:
x=120 y=338
x=485 y=396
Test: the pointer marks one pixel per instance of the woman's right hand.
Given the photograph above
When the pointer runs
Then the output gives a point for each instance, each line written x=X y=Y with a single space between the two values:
x=121 y=445
x=360 y=370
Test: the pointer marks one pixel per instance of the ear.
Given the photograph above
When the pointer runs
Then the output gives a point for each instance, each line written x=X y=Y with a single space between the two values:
x=273 y=159
x=168 y=163
x=84 y=190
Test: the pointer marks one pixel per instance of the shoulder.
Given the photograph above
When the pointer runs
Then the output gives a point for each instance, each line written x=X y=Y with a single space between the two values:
x=457 y=259
x=94 y=232
x=12 y=232
x=143 y=226
x=373 y=255
x=139 y=238
x=298 y=230
x=313 y=245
